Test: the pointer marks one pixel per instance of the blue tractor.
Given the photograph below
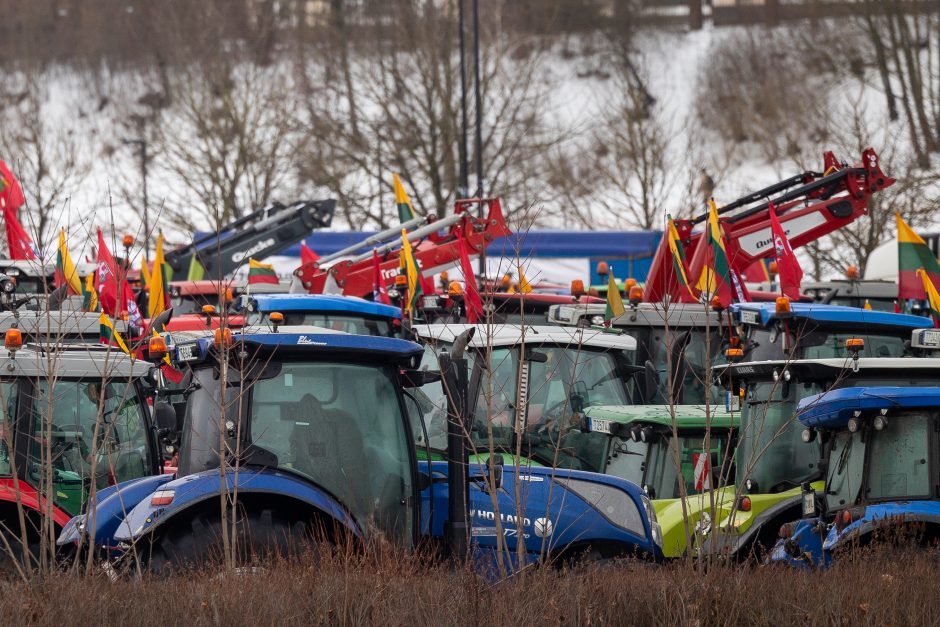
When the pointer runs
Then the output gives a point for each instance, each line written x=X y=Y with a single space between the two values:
x=311 y=432
x=339 y=313
x=787 y=330
x=881 y=460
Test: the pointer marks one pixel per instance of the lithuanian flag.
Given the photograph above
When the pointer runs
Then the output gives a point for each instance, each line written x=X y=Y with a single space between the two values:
x=914 y=256
x=412 y=272
x=678 y=255
x=716 y=273
x=109 y=334
x=65 y=271
x=89 y=295
x=405 y=210
x=615 y=306
x=933 y=298
x=261 y=273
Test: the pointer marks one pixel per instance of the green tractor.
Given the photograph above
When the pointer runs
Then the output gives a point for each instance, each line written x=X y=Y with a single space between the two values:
x=679 y=453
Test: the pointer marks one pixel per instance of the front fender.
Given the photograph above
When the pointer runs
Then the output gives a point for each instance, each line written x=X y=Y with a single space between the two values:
x=554 y=512
x=111 y=506
x=880 y=516
x=199 y=488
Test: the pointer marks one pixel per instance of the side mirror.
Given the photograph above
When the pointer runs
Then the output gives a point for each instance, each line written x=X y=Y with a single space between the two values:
x=164 y=417
x=579 y=397
x=536 y=356
x=417 y=378
x=495 y=480
x=158 y=324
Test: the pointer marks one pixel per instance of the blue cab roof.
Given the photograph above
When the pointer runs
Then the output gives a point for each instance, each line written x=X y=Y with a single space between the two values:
x=379 y=348
x=832 y=409
x=829 y=314
x=316 y=303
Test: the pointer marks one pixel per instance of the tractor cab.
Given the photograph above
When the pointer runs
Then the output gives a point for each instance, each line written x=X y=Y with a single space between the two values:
x=677 y=345
x=773 y=459
x=642 y=443
x=323 y=407
x=880 y=453
x=533 y=383
x=339 y=313
x=785 y=330
x=75 y=418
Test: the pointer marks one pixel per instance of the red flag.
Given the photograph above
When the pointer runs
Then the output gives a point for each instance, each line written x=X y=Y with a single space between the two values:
x=106 y=283
x=471 y=298
x=896 y=308
x=11 y=194
x=307 y=255
x=788 y=267
x=379 y=293
x=20 y=244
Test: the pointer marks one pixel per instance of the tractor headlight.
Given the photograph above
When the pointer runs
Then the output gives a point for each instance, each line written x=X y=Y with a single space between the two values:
x=657 y=531
x=611 y=502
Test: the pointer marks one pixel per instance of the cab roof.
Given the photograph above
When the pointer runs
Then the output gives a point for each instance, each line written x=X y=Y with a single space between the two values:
x=677 y=315
x=686 y=416
x=833 y=409
x=312 y=341
x=72 y=361
x=315 y=303
x=56 y=324
x=832 y=367
x=513 y=334
x=765 y=313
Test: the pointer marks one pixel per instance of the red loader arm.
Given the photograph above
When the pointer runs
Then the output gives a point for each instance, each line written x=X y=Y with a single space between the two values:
x=433 y=247
x=808 y=205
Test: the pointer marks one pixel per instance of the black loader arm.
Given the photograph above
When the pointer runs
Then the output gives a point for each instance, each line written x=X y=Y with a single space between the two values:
x=262 y=233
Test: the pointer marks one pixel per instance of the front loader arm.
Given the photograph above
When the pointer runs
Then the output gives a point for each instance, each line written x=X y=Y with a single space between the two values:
x=434 y=247
x=808 y=206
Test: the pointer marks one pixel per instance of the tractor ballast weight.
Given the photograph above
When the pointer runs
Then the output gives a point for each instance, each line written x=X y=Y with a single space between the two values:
x=808 y=205
x=434 y=247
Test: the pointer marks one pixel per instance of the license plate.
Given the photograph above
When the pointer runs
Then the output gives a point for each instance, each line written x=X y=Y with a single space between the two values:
x=598 y=425
x=732 y=402
x=749 y=317
x=186 y=352
x=809 y=503
x=429 y=302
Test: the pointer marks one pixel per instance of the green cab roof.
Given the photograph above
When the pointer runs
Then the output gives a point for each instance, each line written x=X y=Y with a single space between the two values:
x=686 y=416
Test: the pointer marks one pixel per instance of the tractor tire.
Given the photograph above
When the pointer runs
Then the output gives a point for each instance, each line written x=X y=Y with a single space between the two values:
x=197 y=542
x=15 y=555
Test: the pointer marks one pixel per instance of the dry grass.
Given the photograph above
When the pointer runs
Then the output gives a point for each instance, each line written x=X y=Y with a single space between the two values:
x=887 y=587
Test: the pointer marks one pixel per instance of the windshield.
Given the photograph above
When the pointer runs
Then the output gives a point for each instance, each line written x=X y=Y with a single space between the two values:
x=357 y=324
x=685 y=351
x=96 y=430
x=846 y=461
x=767 y=344
x=340 y=425
x=698 y=467
x=899 y=455
x=770 y=452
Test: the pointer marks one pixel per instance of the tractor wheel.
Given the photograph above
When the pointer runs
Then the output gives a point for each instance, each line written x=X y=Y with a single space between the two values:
x=9 y=558
x=197 y=542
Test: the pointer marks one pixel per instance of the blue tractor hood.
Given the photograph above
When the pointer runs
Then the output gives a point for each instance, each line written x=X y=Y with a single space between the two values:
x=766 y=313
x=833 y=409
x=316 y=303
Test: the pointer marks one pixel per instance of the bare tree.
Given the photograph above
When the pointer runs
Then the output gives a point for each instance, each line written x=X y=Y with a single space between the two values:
x=46 y=145
x=391 y=102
